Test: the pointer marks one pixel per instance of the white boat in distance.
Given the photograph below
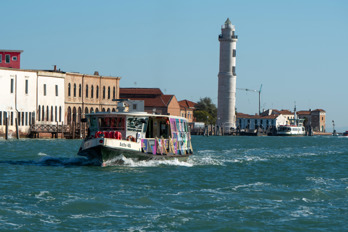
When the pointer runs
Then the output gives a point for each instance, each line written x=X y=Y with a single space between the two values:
x=136 y=135
x=295 y=128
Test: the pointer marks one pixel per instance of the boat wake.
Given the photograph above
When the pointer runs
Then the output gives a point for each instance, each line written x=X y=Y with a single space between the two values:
x=121 y=160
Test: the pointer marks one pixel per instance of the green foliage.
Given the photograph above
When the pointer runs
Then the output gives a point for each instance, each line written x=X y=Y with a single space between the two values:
x=206 y=111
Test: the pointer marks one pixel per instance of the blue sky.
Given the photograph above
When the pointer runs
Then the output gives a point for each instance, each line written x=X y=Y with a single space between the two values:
x=298 y=50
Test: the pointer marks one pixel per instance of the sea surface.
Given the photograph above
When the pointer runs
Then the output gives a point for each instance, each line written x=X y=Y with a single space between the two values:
x=230 y=184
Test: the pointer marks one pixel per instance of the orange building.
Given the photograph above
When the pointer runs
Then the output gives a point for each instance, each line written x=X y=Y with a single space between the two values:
x=186 y=109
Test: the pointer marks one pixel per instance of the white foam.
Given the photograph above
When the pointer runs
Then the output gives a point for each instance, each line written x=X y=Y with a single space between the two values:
x=121 y=160
x=42 y=154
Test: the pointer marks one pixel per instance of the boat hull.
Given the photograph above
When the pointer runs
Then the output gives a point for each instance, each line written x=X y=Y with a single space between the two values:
x=103 y=151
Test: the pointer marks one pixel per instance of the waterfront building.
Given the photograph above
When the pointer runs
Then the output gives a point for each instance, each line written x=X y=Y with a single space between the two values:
x=17 y=99
x=314 y=118
x=154 y=100
x=186 y=109
x=286 y=113
x=227 y=77
x=50 y=97
x=253 y=122
x=89 y=93
x=10 y=58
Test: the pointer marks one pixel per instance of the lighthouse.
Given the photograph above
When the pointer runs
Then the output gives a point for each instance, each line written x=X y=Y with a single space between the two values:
x=227 y=77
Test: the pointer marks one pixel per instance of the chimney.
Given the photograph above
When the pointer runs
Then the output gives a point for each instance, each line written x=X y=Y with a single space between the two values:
x=96 y=73
x=54 y=67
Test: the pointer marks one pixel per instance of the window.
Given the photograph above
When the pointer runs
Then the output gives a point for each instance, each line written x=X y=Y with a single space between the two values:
x=5 y=118
x=80 y=91
x=69 y=87
x=74 y=90
x=109 y=92
x=51 y=113
x=22 y=118
x=26 y=86
x=55 y=113
x=14 y=58
x=39 y=114
x=0 y=58
x=234 y=53
x=97 y=92
x=86 y=91
x=47 y=113
x=114 y=93
x=7 y=58
x=234 y=70
x=30 y=120
x=12 y=85
x=56 y=90
x=92 y=89
x=103 y=92
x=0 y=117
x=43 y=113
x=26 y=118
x=44 y=90
x=60 y=113
x=19 y=118
x=134 y=106
x=11 y=118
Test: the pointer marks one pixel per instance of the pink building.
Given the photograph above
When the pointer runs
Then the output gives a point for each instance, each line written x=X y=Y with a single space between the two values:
x=10 y=58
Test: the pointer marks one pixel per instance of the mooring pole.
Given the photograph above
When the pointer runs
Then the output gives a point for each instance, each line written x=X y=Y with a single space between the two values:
x=17 y=132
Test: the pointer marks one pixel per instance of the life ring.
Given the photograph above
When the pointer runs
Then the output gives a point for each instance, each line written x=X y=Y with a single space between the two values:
x=117 y=135
x=98 y=134
x=131 y=138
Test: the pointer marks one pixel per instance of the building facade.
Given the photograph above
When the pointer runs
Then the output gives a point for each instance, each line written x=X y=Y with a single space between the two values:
x=50 y=97
x=10 y=58
x=186 y=109
x=89 y=93
x=253 y=122
x=314 y=118
x=227 y=77
x=17 y=99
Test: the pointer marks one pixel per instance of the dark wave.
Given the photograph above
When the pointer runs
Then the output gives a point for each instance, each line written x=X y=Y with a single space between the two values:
x=54 y=161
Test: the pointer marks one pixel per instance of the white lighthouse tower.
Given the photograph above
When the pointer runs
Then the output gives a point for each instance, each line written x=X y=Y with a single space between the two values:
x=227 y=77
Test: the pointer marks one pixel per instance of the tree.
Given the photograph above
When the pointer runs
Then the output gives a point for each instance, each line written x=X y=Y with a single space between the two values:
x=205 y=111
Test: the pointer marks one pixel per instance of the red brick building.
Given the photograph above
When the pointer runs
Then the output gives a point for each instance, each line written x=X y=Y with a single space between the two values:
x=154 y=100
x=186 y=109
x=10 y=58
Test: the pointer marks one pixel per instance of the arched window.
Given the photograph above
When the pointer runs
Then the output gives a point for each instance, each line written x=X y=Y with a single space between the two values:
x=113 y=110
x=80 y=114
x=39 y=113
x=80 y=90
x=114 y=93
x=97 y=92
x=74 y=115
x=86 y=110
x=60 y=113
x=109 y=110
x=96 y=110
x=43 y=113
x=92 y=111
x=109 y=92
x=69 y=115
x=74 y=90
x=92 y=89
x=86 y=91
x=103 y=92
x=69 y=90
x=103 y=110
x=47 y=113
x=55 y=114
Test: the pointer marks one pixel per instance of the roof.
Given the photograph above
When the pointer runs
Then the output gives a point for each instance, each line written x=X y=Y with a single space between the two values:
x=4 y=50
x=187 y=104
x=241 y=115
x=136 y=91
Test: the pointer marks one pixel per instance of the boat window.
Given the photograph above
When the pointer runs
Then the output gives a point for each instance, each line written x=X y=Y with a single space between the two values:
x=93 y=123
x=112 y=123
x=137 y=124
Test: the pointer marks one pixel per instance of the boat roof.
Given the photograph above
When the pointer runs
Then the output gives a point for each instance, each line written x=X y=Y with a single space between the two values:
x=135 y=114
